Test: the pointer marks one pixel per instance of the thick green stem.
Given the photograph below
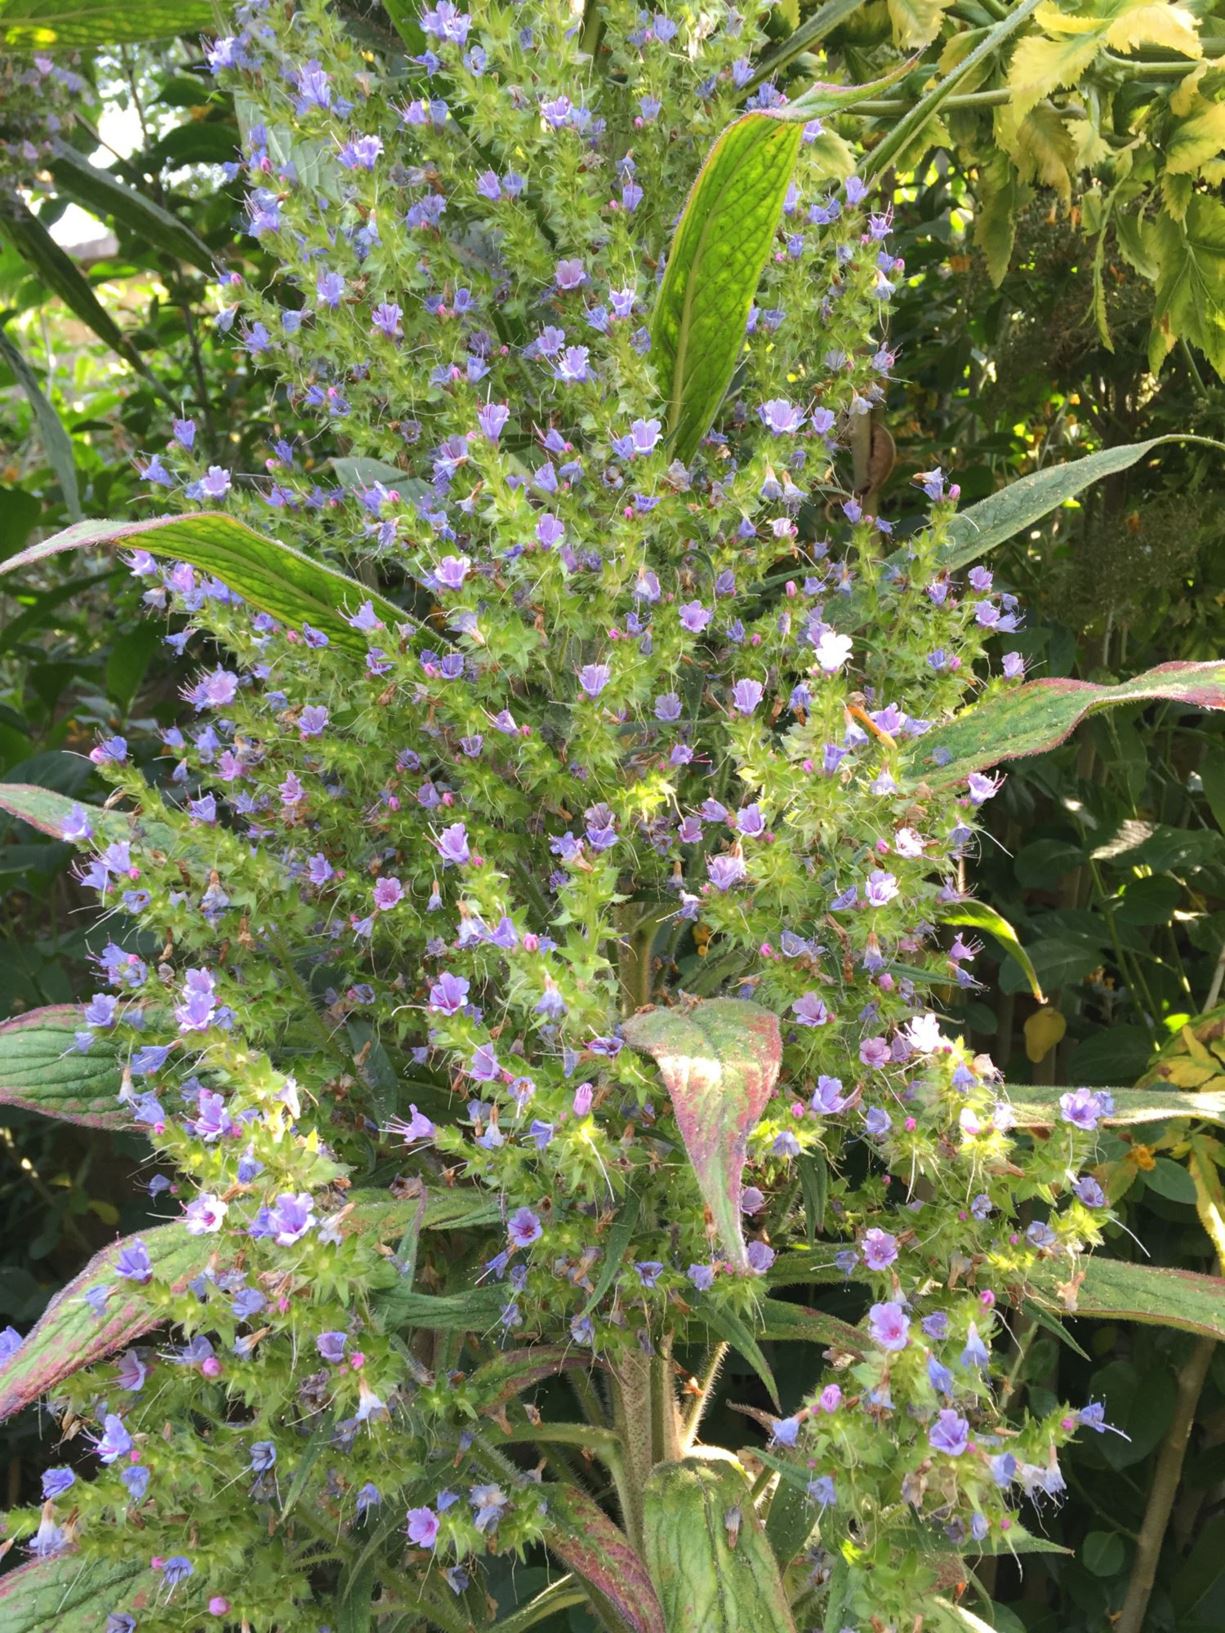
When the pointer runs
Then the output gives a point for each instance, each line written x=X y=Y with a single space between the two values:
x=1166 y=1478
x=632 y=1418
x=706 y=1383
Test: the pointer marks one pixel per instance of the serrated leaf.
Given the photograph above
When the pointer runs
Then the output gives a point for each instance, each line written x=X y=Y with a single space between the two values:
x=1196 y=140
x=707 y=1553
x=1040 y=66
x=1040 y=715
x=37 y=25
x=57 y=444
x=719 y=1061
x=103 y=194
x=978 y=916
x=1142 y=22
x=1154 y=1295
x=995 y=219
x=917 y=22
x=580 y=1533
x=267 y=574
x=1038 y=1107
x=1190 y=298
x=714 y=266
x=42 y=1070
x=1003 y=515
x=1041 y=148
x=67 y=1593
x=69 y=1336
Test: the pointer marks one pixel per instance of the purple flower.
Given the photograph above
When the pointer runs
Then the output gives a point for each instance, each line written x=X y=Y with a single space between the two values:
x=667 y=707
x=879 y=1249
x=204 y=1214
x=386 y=318
x=694 y=617
x=725 y=871
x=132 y=1262
x=291 y=1218
x=702 y=1276
x=1085 y=1108
x=184 y=433
x=484 y=1064
x=489 y=1503
x=889 y=1325
x=982 y=788
x=263 y=1456
x=422 y=1527
x=760 y=1256
x=810 y=1010
x=331 y=1346
x=215 y=483
x=388 y=893
x=524 y=1228
x=329 y=288
x=781 y=417
x=572 y=364
x=570 y=274
x=1090 y=1192
x=114 y=1442
x=312 y=720
x=177 y=1569
x=594 y=677
x=136 y=1478
x=452 y=845
x=56 y=1482
x=447 y=22
x=828 y=1098
x=362 y=153
x=875 y=1052
x=950 y=1433
x=131 y=1372
x=881 y=887
x=492 y=419
x=786 y=1431
x=449 y=993
x=746 y=695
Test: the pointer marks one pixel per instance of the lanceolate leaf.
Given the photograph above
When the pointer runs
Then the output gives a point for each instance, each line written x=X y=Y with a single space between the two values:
x=1034 y=1107
x=30 y=25
x=1022 y=503
x=42 y=1070
x=978 y=916
x=1152 y=1294
x=57 y=444
x=719 y=1061
x=708 y=1555
x=714 y=266
x=267 y=574
x=48 y=811
x=69 y=1335
x=579 y=1532
x=102 y=193
x=519 y=1369
x=68 y=1593
x=1038 y=716
x=781 y=1321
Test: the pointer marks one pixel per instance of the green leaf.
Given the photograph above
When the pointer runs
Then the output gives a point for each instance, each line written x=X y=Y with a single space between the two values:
x=728 y=1325
x=810 y=33
x=44 y=809
x=1022 y=503
x=1152 y=1294
x=406 y=20
x=57 y=444
x=100 y=192
x=1190 y=298
x=267 y=574
x=813 y=1170
x=583 y=1537
x=37 y=25
x=714 y=266
x=1038 y=1107
x=1196 y=140
x=917 y=22
x=69 y=1336
x=498 y=1381
x=719 y=1060
x=978 y=916
x=995 y=219
x=59 y=272
x=707 y=1553
x=68 y=1593
x=1041 y=66
x=615 y=1248
x=42 y=1070
x=1041 y=714
x=782 y=1322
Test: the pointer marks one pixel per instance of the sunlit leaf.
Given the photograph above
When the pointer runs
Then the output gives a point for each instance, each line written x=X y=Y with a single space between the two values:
x=69 y=1334
x=27 y=25
x=1152 y=1294
x=42 y=1070
x=267 y=574
x=68 y=1593
x=57 y=444
x=719 y=1061
x=1035 y=1106
x=44 y=809
x=978 y=916
x=580 y=1533
x=1041 y=714
x=1040 y=66
x=917 y=22
x=1190 y=299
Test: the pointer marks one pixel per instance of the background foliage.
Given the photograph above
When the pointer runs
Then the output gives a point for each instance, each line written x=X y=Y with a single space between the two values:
x=1065 y=285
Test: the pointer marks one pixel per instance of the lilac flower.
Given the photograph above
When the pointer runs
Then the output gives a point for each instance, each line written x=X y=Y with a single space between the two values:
x=452 y=845
x=215 y=483
x=823 y=1491
x=449 y=993
x=781 y=417
x=975 y=1354
x=177 y=1569
x=263 y=1456
x=830 y=1398
x=362 y=153
x=76 y=826
x=889 y=1325
x=56 y=1482
x=197 y=1011
x=524 y=1228
x=572 y=365
x=569 y=275
x=422 y=1527
x=1090 y=1192
x=936 y=1325
x=483 y=1065
x=760 y=1256
x=132 y=1262
x=786 y=1431
x=205 y=1214
x=982 y=788
x=1085 y=1108
x=447 y=22
x=828 y=1098
x=313 y=720
x=694 y=617
x=386 y=318
x=489 y=1503
x=702 y=1276
x=879 y=1249
x=881 y=887
x=810 y=1010
x=291 y=1218
x=726 y=871
x=950 y=1433
x=114 y=1442
x=594 y=677
x=184 y=433
x=746 y=695
x=388 y=893
x=136 y=1479
x=131 y=1372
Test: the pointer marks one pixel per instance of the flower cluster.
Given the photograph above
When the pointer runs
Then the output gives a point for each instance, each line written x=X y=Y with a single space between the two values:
x=611 y=729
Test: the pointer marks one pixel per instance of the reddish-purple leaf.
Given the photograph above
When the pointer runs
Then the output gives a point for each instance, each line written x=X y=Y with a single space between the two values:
x=70 y=1594
x=1040 y=715
x=41 y=1069
x=69 y=1335
x=719 y=1061
x=583 y=1537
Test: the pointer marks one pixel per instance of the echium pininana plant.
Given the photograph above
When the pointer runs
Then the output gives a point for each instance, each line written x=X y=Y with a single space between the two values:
x=525 y=956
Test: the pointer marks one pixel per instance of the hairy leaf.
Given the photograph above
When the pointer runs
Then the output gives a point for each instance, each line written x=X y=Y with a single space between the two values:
x=581 y=1534
x=1152 y=1294
x=978 y=916
x=782 y=1321
x=267 y=574
x=1038 y=1107
x=733 y=1329
x=42 y=1070
x=57 y=444
x=707 y=1553
x=68 y=1593
x=719 y=1061
x=1037 y=716
x=509 y=1374
x=1005 y=514
x=68 y=1335
x=48 y=811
